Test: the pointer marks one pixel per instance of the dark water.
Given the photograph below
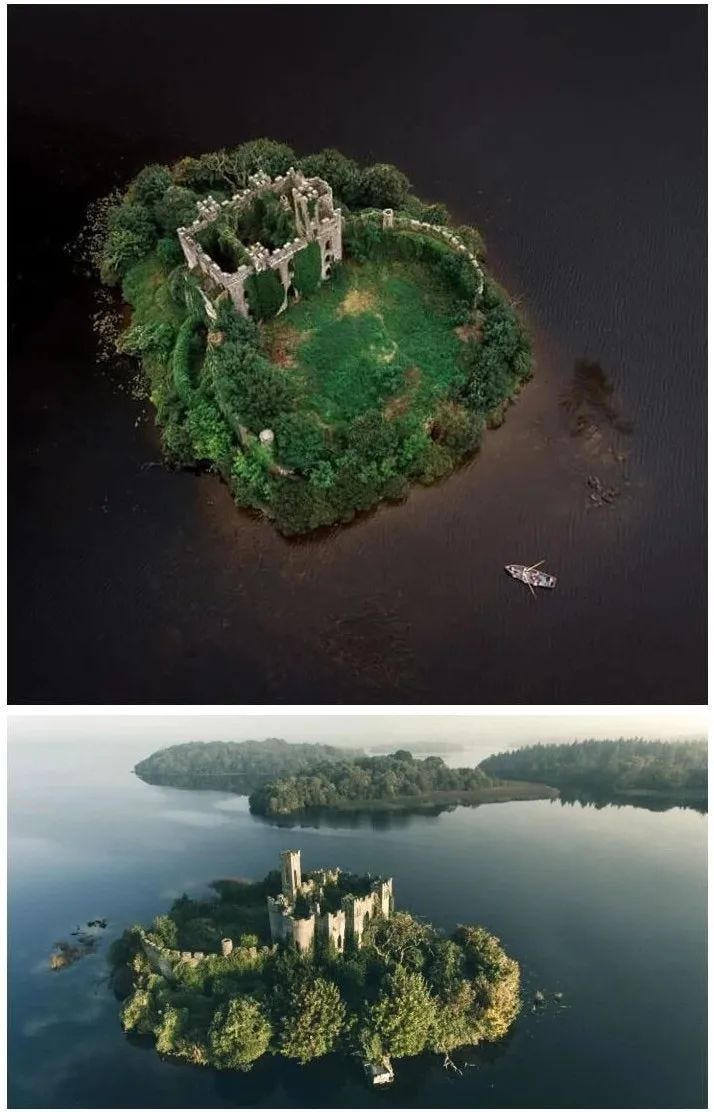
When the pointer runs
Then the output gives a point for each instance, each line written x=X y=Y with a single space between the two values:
x=606 y=906
x=575 y=138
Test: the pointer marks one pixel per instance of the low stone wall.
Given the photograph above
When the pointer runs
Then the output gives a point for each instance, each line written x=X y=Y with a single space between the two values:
x=163 y=960
x=390 y=221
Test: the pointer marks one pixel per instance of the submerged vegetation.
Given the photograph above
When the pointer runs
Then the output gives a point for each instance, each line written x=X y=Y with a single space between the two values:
x=406 y=990
x=386 y=374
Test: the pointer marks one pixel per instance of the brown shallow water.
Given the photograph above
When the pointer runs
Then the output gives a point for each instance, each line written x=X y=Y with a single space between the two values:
x=134 y=585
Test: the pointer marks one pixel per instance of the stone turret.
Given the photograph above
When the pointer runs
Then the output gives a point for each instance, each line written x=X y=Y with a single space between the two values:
x=226 y=946
x=291 y=873
x=332 y=926
x=303 y=933
x=336 y=927
x=383 y=897
x=358 y=912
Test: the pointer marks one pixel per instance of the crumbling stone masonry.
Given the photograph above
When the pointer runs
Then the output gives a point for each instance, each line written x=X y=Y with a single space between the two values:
x=347 y=923
x=316 y=221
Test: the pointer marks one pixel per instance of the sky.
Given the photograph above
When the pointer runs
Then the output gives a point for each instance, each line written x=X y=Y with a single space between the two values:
x=143 y=733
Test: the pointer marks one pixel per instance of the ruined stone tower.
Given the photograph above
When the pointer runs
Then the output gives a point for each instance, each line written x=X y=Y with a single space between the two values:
x=291 y=875
x=337 y=926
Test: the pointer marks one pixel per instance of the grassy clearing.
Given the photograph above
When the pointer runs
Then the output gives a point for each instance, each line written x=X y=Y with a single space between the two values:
x=379 y=335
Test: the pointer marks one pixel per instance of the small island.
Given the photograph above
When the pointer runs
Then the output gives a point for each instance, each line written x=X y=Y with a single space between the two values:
x=397 y=782
x=306 y=964
x=308 y=328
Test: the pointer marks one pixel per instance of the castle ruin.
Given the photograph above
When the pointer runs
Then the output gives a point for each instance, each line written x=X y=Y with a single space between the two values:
x=316 y=221
x=315 y=920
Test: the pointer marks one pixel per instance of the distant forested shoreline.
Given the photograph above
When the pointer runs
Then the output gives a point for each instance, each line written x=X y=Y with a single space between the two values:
x=620 y=769
x=283 y=778
x=235 y=766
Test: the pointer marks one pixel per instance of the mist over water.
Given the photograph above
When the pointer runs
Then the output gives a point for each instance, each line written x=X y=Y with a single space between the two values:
x=607 y=906
x=575 y=139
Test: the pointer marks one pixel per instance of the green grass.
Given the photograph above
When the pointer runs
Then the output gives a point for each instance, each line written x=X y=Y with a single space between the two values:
x=379 y=334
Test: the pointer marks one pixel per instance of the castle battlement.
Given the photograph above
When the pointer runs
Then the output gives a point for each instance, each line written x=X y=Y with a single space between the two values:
x=316 y=220
x=347 y=923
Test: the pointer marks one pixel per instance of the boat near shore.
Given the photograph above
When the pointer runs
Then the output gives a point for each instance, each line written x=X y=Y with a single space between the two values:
x=531 y=576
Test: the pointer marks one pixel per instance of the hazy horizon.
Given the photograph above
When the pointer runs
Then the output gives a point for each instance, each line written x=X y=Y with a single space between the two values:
x=139 y=735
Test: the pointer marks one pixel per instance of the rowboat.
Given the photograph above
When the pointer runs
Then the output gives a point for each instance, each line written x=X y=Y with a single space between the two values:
x=530 y=576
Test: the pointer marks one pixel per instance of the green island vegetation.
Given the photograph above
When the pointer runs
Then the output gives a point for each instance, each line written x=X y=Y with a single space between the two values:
x=235 y=766
x=384 y=374
x=283 y=778
x=624 y=768
x=400 y=990
x=399 y=781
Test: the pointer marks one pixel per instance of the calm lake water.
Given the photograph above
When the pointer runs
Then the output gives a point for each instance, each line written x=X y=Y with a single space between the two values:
x=606 y=906
x=575 y=139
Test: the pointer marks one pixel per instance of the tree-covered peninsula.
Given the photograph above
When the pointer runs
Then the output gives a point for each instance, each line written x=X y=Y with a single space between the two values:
x=625 y=768
x=235 y=766
x=283 y=778
x=307 y=326
x=209 y=985
x=398 y=781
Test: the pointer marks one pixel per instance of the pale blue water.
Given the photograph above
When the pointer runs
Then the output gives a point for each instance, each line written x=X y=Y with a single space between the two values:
x=606 y=906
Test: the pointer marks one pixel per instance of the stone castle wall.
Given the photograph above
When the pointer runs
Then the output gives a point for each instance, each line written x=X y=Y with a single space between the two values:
x=347 y=923
x=316 y=221
x=391 y=222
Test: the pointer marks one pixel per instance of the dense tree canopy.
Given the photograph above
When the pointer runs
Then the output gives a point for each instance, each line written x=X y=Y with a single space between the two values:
x=363 y=779
x=408 y=989
x=234 y=765
x=611 y=766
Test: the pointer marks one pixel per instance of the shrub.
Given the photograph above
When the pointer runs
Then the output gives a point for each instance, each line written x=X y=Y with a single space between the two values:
x=384 y=186
x=149 y=185
x=169 y=252
x=176 y=208
x=131 y=235
x=265 y=294
x=307 y=269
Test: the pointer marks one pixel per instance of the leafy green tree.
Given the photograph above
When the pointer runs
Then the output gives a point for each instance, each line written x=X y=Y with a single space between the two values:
x=139 y=1012
x=239 y=1034
x=268 y=155
x=401 y=940
x=170 y=1029
x=131 y=235
x=307 y=269
x=300 y=440
x=265 y=294
x=342 y=173
x=403 y=1014
x=149 y=185
x=169 y=252
x=315 y=1022
x=176 y=208
x=384 y=186
x=166 y=931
